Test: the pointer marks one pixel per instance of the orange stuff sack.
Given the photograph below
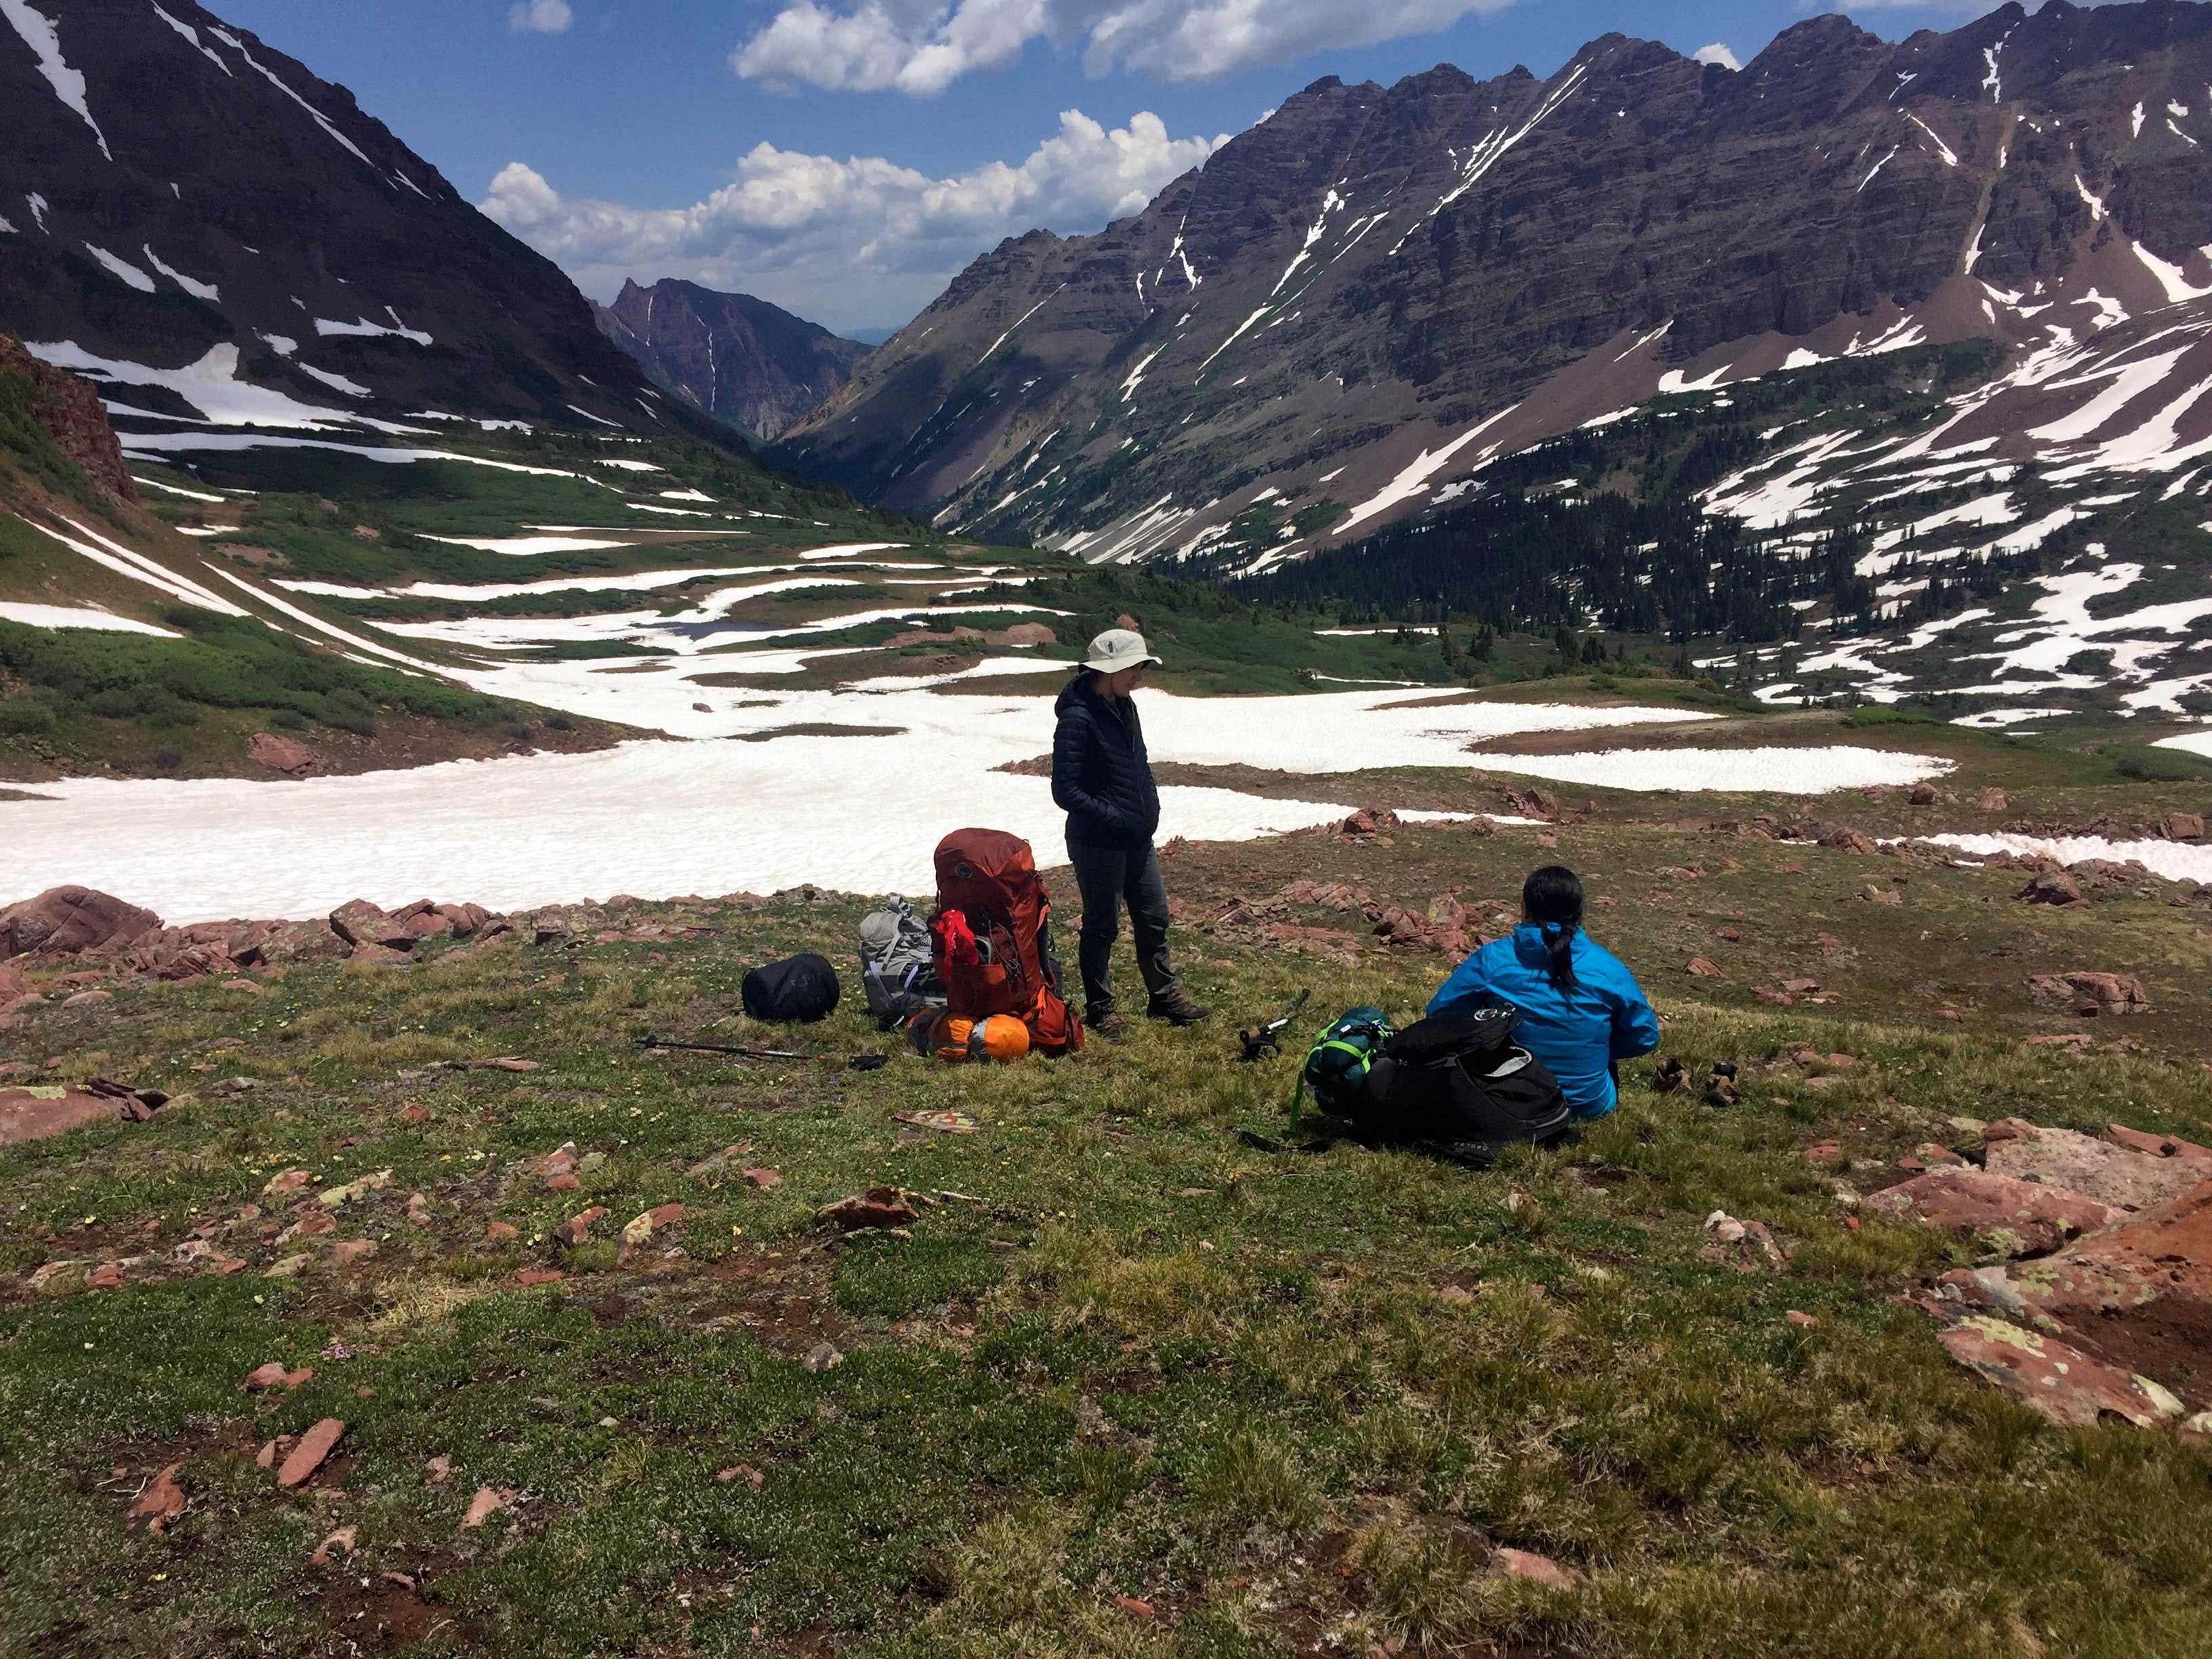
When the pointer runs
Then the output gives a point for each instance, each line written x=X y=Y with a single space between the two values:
x=948 y=1037
x=992 y=940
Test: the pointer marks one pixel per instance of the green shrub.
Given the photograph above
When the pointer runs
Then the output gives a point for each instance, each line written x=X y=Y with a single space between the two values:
x=117 y=702
x=27 y=711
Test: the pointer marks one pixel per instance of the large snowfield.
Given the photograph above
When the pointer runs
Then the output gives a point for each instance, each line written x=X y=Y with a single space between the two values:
x=772 y=807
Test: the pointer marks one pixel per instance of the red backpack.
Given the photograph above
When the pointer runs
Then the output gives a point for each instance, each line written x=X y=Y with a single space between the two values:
x=991 y=937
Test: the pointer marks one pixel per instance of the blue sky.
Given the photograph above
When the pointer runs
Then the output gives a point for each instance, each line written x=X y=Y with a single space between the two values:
x=845 y=158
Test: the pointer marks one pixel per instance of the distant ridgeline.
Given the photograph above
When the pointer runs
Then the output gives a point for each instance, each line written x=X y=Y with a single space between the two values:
x=1606 y=525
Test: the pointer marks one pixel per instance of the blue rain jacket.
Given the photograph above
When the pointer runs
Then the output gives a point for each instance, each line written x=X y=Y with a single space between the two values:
x=1578 y=1036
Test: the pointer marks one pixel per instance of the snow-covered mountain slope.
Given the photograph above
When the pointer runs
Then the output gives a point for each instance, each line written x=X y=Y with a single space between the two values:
x=1359 y=302
x=198 y=216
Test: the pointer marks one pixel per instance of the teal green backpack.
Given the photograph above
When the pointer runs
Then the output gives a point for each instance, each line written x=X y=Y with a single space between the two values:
x=1336 y=1065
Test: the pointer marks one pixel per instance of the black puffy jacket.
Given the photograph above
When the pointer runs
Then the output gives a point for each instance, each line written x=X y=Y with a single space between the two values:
x=1100 y=776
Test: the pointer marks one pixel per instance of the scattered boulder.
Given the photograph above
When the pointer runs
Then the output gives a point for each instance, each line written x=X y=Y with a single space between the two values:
x=2055 y=1379
x=41 y=1111
x=2161 y=1145
x=1367 y=821
x=2052 y=887
x=66 y=920
x=1530 y=803
x=2015 y=1218
x=1851 y=841
x=286 y=754
x=1991 y=800
x=1923 y=794
x=2094 y=994
x=2141 y=1292
x=2113 y=1175
x=2184 y=826
x=362 y=924
x=1703 y=967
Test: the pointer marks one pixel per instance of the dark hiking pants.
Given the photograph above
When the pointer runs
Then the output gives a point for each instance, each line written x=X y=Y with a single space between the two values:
x=1107 y=878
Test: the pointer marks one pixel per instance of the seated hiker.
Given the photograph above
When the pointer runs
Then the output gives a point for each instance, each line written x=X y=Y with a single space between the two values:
x=1101 y=780
x=1581 y=1011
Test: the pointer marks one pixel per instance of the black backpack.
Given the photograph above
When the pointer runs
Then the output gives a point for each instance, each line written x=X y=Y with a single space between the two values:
x=802 y=987
x=1455 y=1084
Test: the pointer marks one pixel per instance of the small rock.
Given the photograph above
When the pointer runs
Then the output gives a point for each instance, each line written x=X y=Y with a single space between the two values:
x=270 y=1376
x=1724 y=1227
x=108 y=1276
x=578 y=1227
x=1923 y=794
x=308 y=1456
x=1703 y=967
x=342 y=1539
x=2184 y=826
x=88 y=999
x=1538 y=1568
x=822 y=1357
x=502 y=1229
x=2053 y=1378
x=764 y=1177
x=879 y=1206
x=1874 y=895
x=744 y=1472
x=564 y=1182
x=160 y=1502
x=1133 y=1607
x=487 y=1502
x=530 y=1276
x=1728 y=933
x=346 y=1252
x=438 y=1470
x=1802 y=1320
x=290 y=1267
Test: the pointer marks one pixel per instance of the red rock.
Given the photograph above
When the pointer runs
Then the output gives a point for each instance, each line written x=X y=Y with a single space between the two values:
x=270 y=1376
x=266 y=1457
x=348 y=1252
x=2052 y=887
x=744 y=1472
x=1798 y=988
x=342 y=1540
x=1540 y=1569
x=642 y=1227
x=565 y=1181
x=1851 y=841
x=764 y=1177
x=286 y=754
x=2054 y=1378
x=502 y=1229
x=1132 y=1606
x=1923 y=794
x=1991 y=800
x=1802 y=1320
x=530 y=1276
x=2113 y=1175
x=413 y=1114
x=289 y=1181
x=1730 y=934
x=160 y=1502
x=1703 y=967
x=294 y=1379
x=578 y=1227
x=308 y=1456
x=2184 y=826
x=438 y=1470
x=108 y=1276
x=2141 y=1293
x=487 y=1503
x=2018 y=1218
x=1935 y=1153
x=2094 y=994
x=39 y=1114
x=2159 y=1146
x=67 y=920
x=879 y=1206
x=1823 y=1152
x=87 y=998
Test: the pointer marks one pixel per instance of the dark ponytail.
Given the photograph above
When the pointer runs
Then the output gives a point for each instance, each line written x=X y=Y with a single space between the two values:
x=1553 y=898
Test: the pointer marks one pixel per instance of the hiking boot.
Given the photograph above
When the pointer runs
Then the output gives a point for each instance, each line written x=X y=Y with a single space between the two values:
x=1109 y=1025
x=1175 y=1005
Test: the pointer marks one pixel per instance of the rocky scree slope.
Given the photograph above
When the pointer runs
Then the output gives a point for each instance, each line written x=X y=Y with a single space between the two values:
x=178 y=196
x=1360 y=301
x=738 y=359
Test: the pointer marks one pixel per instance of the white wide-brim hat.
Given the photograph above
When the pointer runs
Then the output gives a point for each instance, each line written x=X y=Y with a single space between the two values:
x=1118 y=648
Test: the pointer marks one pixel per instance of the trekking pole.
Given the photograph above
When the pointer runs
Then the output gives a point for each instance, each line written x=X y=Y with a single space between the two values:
x=739 y=1050
x=1260 y=1041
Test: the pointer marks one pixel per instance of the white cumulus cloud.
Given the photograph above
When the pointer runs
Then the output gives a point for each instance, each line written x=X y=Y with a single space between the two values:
x=853 y=243
x=922 y=46
x=540 y=16
x=1717 y=53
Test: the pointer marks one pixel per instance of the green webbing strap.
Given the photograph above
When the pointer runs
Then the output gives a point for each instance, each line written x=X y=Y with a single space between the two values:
x=1298 y=1095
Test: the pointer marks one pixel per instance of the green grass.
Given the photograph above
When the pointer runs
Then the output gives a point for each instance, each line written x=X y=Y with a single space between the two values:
x=1279 y=1397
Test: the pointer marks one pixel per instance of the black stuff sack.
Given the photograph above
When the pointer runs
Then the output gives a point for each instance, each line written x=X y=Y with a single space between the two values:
x=803 y=988
x=1458 y=1084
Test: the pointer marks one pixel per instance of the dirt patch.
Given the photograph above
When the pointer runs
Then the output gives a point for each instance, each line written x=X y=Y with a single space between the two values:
x=821 y=729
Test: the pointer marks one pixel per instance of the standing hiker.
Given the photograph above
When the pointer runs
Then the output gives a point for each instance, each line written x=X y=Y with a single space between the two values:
x=1101 y=778
x=1581 y=1010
